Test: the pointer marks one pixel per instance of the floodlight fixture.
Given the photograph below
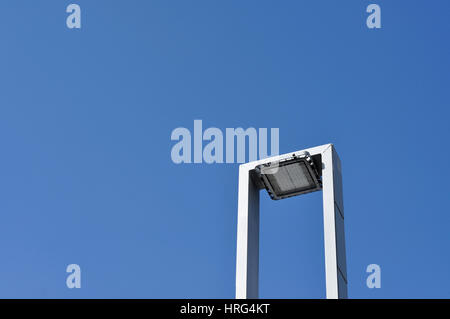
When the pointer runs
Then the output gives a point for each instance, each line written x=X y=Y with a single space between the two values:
x=290 y=177
x=284 y=176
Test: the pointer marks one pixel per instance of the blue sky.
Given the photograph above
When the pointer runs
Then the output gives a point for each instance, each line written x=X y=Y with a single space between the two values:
x=86 y=115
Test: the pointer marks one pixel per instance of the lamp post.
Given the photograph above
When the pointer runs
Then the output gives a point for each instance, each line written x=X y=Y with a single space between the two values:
x=284 y=176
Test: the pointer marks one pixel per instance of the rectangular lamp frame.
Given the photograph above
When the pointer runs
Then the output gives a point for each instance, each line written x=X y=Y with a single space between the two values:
x=247 y=254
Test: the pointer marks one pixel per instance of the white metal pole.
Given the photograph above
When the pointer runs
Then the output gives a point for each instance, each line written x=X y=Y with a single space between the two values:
x=333 y=223
x=247 y=254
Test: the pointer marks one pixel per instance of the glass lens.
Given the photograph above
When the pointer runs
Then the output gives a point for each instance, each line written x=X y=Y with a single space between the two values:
x=289 y=178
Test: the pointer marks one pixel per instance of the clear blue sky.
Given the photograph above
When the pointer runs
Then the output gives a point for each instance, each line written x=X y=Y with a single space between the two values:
x=86 y=116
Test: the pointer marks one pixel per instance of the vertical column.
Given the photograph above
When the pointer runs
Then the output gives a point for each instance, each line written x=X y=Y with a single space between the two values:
x=333 y=219
x=247 y=254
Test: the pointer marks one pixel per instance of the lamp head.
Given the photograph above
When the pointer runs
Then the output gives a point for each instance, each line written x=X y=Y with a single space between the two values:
x=290 y=177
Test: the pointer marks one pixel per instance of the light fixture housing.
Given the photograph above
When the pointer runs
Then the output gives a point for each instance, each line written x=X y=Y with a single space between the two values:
x=290 y=177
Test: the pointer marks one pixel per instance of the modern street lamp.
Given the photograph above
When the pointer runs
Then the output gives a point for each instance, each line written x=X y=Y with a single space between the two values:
x=284 y=176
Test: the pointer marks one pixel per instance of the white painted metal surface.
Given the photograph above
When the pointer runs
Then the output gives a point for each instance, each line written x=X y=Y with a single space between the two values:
x=247 y=254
